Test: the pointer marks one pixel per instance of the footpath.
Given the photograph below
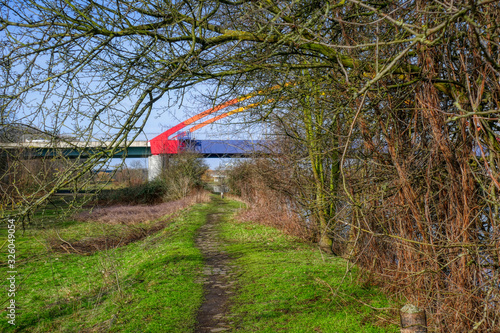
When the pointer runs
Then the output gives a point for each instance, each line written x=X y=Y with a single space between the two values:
x=257 y=279
x=218 y=277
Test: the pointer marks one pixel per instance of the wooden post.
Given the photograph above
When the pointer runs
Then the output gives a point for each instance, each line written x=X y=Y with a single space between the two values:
x=413 y=319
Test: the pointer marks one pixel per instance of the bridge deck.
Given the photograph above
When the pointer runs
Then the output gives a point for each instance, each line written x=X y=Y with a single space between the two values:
x=138 y=149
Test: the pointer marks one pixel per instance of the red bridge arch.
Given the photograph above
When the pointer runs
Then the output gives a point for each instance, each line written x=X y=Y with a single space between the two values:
x=162 y=144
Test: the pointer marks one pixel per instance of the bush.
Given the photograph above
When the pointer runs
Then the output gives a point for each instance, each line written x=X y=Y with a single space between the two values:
x=148 y=193
x=182 y=174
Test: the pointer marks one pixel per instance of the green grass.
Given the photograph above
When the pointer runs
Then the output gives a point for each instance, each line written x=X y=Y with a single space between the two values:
x=147 y=286
x=288 y=286
x=150 y=285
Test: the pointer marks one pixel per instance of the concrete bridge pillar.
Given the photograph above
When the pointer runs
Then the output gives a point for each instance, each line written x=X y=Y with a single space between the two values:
x=154 y=167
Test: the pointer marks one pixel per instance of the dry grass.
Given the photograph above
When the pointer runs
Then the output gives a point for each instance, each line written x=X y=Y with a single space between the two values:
x=121 y=214
x=129 y=217
x=270 y=213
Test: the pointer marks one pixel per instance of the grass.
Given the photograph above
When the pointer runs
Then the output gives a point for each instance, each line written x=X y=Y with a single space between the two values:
x=151 y=285
x=147 y=286
x=288 y=286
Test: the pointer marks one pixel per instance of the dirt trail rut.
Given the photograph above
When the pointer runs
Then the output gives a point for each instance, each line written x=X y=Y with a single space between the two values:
x=218 y=280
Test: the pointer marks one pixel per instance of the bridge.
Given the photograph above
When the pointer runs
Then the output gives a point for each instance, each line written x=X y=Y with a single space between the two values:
x=172 y=141
x=136 y=149
x=79 y=149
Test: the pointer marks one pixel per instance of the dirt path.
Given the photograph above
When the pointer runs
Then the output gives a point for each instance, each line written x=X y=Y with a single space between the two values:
x=218 y=279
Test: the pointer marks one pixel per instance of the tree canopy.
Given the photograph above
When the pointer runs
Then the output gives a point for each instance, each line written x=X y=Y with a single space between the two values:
x=408 y=89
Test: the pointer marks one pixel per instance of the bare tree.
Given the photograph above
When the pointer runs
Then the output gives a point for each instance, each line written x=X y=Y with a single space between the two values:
x=416 y=82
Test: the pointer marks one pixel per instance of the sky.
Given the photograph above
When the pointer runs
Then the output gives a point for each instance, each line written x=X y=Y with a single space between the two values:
x=165 y=117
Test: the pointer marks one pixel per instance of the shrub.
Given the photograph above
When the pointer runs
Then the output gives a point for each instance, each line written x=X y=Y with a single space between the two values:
x=148 y=193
